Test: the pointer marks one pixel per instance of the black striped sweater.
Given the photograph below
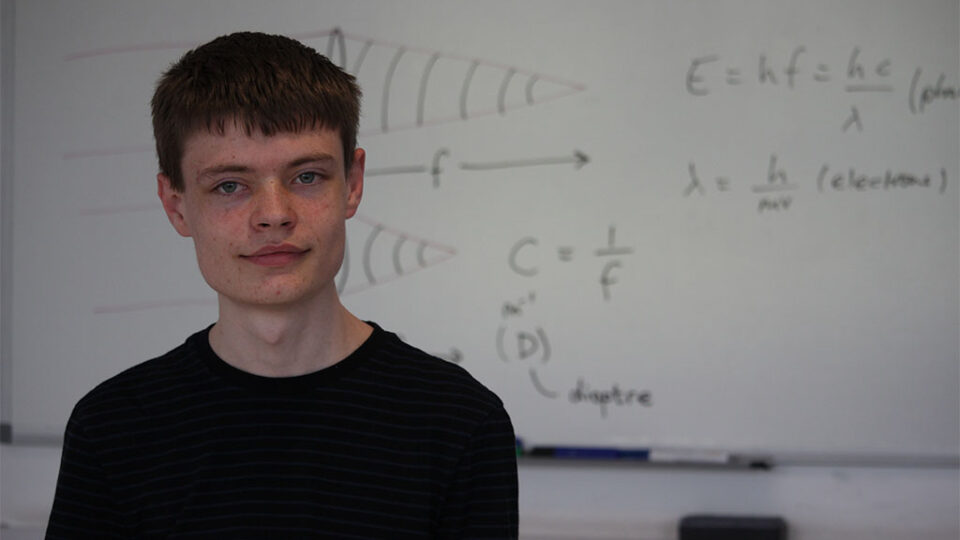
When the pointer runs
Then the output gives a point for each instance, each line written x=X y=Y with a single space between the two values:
x=388 y=443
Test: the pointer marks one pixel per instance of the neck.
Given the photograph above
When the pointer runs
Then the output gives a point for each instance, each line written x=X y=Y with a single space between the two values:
x=286 y=342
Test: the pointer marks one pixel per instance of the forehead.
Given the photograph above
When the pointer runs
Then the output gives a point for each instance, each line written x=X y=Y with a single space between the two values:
x=235 y=144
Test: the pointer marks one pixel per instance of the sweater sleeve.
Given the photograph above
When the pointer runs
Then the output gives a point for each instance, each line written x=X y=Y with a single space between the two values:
x=82 y=505
x=482 y=502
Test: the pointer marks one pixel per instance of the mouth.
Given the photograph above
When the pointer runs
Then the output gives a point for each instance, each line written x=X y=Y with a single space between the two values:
x=276 y=256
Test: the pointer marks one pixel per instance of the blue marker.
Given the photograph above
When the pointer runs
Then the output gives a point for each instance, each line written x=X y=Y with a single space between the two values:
x=589 y=452
x=694 y=458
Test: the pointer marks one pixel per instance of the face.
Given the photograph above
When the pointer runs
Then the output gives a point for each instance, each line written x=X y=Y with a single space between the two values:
x=266 y=214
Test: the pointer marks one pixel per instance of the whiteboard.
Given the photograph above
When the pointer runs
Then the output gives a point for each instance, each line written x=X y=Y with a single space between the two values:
x=718 y=225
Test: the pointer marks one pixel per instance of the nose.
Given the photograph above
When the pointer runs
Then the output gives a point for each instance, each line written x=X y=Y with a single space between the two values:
x=273 y=208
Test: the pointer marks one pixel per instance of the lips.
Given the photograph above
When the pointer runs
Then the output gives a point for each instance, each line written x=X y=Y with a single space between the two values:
x=275 y=256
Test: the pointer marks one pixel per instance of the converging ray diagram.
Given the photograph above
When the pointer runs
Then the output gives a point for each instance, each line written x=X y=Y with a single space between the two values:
x=404 y=88
x=419 y=87
x=377 y=254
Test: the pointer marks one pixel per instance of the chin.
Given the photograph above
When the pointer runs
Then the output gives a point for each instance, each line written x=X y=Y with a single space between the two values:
x=277 y=296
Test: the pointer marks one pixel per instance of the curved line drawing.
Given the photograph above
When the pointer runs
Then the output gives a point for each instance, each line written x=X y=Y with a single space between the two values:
x=402 y=242
x=605 y=280
x=386 y=87
x=421 y=96
x=529 y=88
x=387 y=279
x=540 y=387
x=396 y=254
x=421 y=251
x=368 y=247
x=502 y=95
x=363 y=54
x=545 y=343
x=374 y=223
x=466 y=88
x=333 y=40
x=512 y=257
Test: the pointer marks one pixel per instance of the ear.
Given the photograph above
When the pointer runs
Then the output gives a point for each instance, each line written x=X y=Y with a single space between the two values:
x=355 y=182
x=173 y=204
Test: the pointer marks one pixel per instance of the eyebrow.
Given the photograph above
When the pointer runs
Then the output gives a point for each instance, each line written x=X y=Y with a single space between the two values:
x=225 y=168
x=312 y=158
x=214 y=170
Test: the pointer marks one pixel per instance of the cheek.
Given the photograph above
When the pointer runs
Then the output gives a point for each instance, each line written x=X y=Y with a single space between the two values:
x=214 y=249
x=217 y=230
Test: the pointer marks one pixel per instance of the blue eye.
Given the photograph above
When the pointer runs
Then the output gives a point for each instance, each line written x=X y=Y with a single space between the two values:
x=307 y=177
x=228 y=188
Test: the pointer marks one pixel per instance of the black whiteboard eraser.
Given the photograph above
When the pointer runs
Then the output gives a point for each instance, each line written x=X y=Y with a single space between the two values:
x=713 y=527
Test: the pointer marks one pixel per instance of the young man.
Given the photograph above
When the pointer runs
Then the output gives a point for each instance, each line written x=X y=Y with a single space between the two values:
x=288 y=417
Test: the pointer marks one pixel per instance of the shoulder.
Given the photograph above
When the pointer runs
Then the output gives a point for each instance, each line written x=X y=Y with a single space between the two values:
x=136 y=386
x=410 y=370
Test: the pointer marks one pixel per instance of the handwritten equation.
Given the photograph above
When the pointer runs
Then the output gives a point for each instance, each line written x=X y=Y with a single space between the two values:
x=858 y=73
x=611 y=254
x=774 y=189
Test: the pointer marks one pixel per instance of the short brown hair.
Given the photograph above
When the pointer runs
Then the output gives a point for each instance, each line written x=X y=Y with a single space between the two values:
x=266 y=83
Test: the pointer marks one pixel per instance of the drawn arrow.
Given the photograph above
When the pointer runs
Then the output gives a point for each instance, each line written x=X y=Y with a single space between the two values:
x=411 y=169
x=546 y=392
x=579 y=159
